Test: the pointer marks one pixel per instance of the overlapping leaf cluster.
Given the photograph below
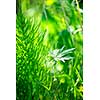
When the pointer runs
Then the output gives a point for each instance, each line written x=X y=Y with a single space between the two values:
x=49 y=53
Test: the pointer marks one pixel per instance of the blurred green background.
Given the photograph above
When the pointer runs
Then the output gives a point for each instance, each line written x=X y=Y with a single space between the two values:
x=49 y=49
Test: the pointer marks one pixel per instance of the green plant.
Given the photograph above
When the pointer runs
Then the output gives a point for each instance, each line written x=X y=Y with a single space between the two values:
x=49 y=52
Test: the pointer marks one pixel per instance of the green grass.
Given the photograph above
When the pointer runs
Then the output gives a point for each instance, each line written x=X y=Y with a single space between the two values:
x=49 y=56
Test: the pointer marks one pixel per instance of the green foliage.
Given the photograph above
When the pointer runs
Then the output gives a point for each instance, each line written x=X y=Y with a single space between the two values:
x=49 y=56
